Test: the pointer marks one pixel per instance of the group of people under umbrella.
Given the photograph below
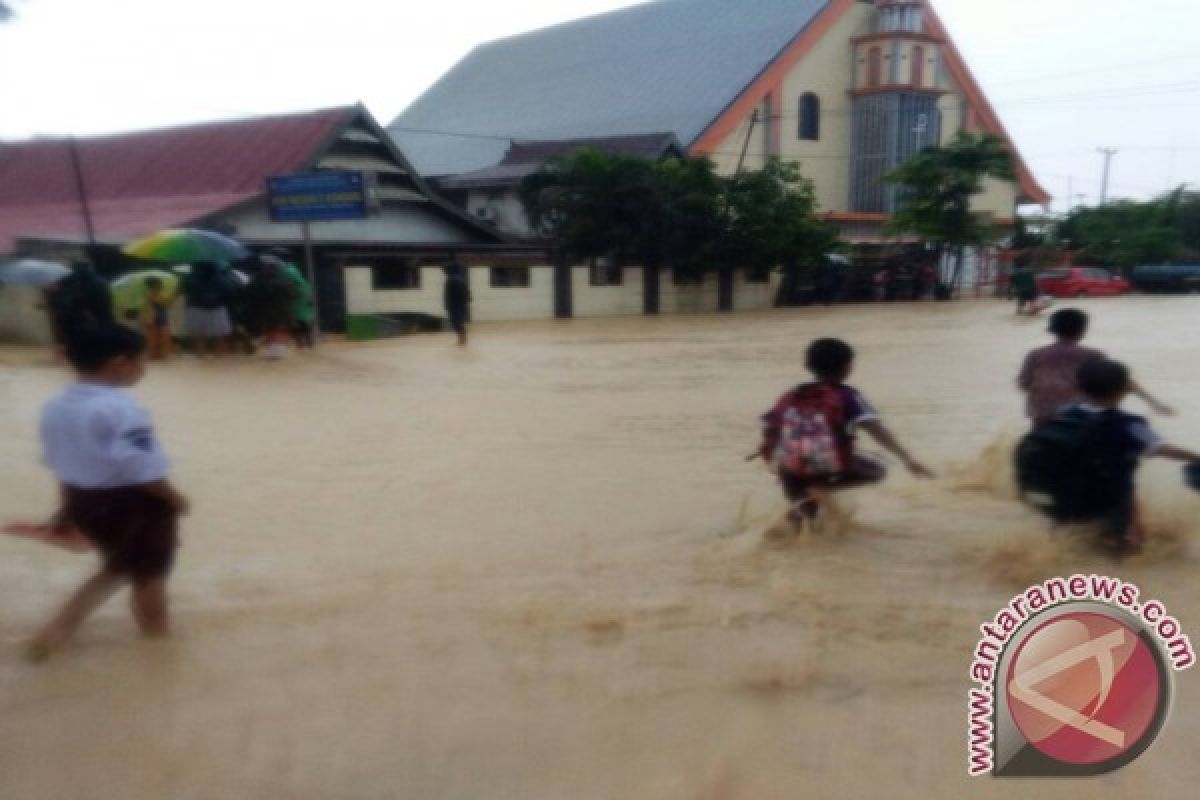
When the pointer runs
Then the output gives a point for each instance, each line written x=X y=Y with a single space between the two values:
x=232 y=300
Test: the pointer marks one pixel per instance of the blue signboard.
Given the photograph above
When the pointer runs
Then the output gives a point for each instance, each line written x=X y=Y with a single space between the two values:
x=317 y=196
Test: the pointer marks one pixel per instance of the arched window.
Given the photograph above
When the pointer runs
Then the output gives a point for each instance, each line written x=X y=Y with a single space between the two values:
x=874 y=67
x=918 y=66
x=810 y=117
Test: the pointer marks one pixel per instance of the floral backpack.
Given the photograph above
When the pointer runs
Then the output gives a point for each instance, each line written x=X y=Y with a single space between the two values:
x=812 y=440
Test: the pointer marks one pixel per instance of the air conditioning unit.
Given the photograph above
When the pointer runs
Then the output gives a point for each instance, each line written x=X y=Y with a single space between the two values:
x=486 y=213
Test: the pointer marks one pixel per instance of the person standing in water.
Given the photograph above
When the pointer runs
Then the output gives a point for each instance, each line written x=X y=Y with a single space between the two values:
x=114 y=487
x=1048 y=376
x=1024 y=286
x=457 y=300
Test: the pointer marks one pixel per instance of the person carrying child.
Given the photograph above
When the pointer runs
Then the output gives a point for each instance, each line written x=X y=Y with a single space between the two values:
x=100 y=445
x=1048 y=375
x=809 y=436
x=1079 y=465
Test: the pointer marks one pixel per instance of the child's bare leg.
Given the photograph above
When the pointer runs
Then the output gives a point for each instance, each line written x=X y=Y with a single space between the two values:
x=87 y=598
x=150 y=610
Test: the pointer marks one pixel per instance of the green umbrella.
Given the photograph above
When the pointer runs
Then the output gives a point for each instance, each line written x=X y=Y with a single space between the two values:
x=129 y=291
x=187 y=246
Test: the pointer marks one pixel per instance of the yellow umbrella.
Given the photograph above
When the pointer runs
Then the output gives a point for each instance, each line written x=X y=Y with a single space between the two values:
x=129 y=291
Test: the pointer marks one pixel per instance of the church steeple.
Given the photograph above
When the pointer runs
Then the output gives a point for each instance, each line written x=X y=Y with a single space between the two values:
x=895 y=99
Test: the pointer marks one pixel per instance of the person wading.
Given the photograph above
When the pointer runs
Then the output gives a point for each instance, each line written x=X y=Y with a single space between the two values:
x=458 y=300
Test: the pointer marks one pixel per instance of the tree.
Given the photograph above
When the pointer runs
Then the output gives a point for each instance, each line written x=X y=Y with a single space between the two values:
x=936 y=187
x=676 y=213
x=1126 y=233
x=591 y=204
x=770 y=221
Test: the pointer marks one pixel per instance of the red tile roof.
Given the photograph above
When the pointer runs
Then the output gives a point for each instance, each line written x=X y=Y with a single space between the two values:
x=141 y=182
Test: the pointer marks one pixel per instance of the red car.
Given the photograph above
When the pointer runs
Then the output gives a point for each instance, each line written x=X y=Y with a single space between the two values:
x=1081 y=282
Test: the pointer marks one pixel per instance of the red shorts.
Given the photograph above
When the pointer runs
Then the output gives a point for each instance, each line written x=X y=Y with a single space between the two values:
x=136 y=532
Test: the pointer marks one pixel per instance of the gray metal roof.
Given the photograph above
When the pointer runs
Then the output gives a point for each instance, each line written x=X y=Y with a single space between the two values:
x=669 y=65
x=526 y=158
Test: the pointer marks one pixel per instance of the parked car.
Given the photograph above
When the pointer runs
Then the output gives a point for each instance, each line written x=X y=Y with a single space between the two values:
x=1178 y=278
x=1081 y=282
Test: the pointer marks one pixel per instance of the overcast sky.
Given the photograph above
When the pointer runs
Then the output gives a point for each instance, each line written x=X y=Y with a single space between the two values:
x=1067 y=76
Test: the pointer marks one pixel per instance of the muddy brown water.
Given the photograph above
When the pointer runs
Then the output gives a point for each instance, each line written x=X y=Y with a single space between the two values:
x=537 y=569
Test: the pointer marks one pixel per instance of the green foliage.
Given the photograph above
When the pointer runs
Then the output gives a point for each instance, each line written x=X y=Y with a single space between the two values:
x=1126 y=233
x=675 y=212
x=937 y=185
x=769 y=219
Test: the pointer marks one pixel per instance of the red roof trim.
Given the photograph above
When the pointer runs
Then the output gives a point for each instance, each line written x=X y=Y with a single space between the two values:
x=771 y=77
x=991 y=120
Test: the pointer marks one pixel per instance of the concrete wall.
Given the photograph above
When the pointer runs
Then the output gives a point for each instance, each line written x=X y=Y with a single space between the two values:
x=537 y=300
x=20 y=318
x=489 y=303
x=607 y=301
x=749 y=296
x=494 y=304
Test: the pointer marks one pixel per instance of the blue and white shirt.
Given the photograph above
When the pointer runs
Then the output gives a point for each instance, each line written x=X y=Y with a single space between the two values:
x=99 y=437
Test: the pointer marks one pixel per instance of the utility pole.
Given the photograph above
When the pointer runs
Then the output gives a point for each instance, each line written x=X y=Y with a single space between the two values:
x=81 y=190
x=746 y=144
x=1108 y=153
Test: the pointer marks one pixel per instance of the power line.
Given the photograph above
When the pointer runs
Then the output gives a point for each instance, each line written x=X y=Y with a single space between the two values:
x=1094 y=70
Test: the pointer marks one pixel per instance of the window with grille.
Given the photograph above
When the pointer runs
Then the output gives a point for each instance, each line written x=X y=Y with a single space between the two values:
x=509 y=277
x=810 y=117
x=918 y=66
x=874 y=67
x=606 y=275
x=395 y=276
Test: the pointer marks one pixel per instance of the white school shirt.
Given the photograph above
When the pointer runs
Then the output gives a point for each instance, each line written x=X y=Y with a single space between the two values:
x=99 y=437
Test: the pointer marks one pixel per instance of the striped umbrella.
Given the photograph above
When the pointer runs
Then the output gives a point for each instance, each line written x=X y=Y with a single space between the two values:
x=186 y=246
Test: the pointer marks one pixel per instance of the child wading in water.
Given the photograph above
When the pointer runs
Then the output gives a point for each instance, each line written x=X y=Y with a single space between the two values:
x=808 y=437
x=113 y=476
x=1079 y=465
x=1048 y=376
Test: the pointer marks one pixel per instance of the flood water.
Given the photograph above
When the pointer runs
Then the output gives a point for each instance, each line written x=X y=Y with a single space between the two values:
x=537 y=569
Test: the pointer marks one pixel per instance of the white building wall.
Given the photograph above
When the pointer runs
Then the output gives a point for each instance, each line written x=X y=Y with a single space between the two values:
x=688 y=298
x=537 y=300
x=491 y=304
x=501 y=208
x=749 y=296
x=20 y=318
x=607 y=301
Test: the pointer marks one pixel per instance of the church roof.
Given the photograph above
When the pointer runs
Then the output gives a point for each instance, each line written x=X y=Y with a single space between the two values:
x=669 y=65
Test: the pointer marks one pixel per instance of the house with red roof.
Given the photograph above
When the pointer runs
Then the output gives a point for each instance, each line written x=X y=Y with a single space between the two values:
x=213 y=175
